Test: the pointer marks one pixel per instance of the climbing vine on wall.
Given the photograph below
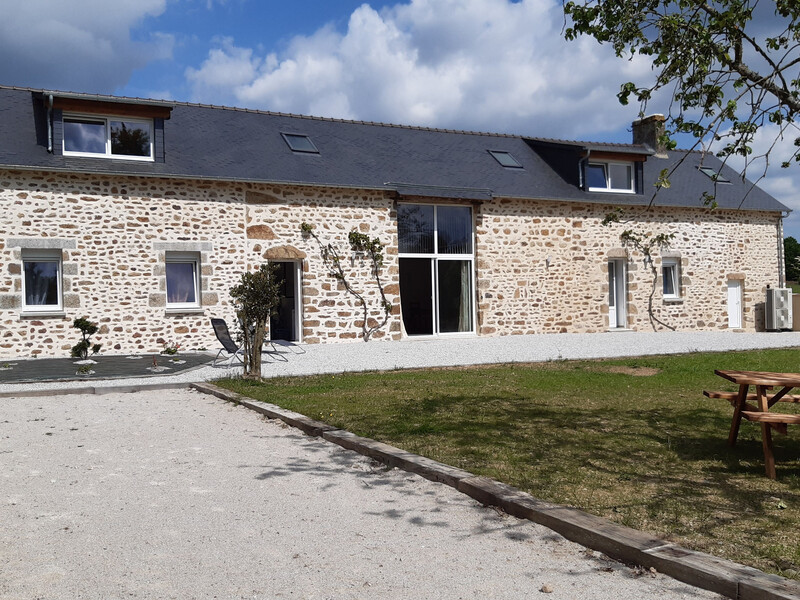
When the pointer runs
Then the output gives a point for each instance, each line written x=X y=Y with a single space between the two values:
x=361 y=246
x=646 y=243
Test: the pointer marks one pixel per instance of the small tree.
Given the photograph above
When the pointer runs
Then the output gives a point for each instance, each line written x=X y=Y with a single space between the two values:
x=791 y=258
x=255 y=299
x=360 y=245
x=87 y=329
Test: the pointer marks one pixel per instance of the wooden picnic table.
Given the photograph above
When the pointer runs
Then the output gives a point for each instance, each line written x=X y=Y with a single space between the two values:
x=743 y=407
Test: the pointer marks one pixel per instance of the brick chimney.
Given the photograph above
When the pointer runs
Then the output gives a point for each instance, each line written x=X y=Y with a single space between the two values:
x=646 y=132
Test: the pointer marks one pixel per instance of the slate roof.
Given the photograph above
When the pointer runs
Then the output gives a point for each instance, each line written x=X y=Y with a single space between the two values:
x=208 y=142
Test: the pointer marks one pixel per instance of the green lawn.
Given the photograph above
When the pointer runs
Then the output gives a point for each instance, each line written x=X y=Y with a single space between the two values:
x=633 y=440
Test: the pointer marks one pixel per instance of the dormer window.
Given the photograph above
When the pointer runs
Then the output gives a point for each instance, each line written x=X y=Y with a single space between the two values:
x=300 y=143
x=506 y=159
x=610 y=177
x=111 y=137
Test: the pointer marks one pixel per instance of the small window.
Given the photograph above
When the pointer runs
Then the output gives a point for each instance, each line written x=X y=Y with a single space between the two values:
x=300 y=143
x=41 y=281
x=609 y=177
x=183 y=279
x=506 y=159
x=713 y=175
x=670 y=278
x=596 y=176
x=108 y=137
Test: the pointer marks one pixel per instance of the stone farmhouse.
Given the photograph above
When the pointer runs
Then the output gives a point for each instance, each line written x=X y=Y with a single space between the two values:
x=141 y=215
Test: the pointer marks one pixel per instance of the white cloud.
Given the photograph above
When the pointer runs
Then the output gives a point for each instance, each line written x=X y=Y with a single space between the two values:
x=79 y=46
x=226 y=67
x=490 y=65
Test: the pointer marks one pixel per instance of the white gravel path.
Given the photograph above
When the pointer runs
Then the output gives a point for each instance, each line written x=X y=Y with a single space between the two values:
x=175 y=494
x=304 y=359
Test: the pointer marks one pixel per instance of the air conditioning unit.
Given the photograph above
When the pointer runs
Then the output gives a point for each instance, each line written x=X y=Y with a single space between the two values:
x=778 y=309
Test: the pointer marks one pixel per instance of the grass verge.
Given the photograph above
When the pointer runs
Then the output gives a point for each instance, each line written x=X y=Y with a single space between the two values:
x=633 y=440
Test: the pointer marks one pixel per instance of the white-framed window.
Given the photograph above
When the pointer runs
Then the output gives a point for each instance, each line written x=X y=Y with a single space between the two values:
x=670 y=276
x=436 y=257
x=183 y=279
x=41 y=280
x=610 y=177
x=110 y=137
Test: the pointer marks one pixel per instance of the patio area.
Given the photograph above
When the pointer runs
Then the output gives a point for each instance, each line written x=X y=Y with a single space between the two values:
x=99 y=367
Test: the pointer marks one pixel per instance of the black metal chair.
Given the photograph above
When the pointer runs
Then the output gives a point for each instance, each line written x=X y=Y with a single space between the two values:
x=228 y=345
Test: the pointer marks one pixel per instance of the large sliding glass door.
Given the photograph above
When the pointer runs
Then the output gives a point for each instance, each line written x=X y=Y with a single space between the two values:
x=436 y=268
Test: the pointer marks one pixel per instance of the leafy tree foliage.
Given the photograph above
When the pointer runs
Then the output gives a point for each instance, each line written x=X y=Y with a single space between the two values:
x=791 y=254
x=87 y=329
x=255 y=299
x=730 y=66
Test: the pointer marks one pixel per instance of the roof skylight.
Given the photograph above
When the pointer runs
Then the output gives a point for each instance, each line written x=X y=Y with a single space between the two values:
x=505 y=159
x=300 y=143
x=713 y=175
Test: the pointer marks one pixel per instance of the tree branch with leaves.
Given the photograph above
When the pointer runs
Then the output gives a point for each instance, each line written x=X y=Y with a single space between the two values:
x=730 y=67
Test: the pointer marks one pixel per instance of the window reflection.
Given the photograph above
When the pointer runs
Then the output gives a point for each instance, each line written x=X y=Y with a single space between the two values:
x=596 y=176
x=85 y=136
x=415 y=228
x=130 y=138
x=181 y=286
x=108 y=137
x=41 y=283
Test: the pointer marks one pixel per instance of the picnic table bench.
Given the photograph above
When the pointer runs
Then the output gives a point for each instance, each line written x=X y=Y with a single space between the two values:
x=743 y=407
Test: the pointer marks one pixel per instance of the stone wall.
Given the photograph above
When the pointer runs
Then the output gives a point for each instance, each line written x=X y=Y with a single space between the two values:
x=541 y=266
x=115 y=231
x=274 y=219
x=118 y=229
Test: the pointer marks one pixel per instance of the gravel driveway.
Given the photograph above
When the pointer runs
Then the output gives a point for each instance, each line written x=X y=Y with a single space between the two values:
x=175 y=494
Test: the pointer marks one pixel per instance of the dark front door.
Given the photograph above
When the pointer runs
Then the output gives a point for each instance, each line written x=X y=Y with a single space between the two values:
x=283 y=326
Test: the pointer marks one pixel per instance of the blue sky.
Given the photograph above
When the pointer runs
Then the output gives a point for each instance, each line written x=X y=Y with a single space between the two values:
x=488 y=65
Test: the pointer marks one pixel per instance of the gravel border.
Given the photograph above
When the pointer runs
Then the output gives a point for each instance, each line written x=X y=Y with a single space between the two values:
x=314 y=359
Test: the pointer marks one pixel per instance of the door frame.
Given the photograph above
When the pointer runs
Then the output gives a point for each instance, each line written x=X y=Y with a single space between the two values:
x=738 y=322
x=617 y=293
x=297 y=325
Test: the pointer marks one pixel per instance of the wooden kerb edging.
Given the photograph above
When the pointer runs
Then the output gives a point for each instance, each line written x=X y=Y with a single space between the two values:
x=99 y=390
x=616 y=541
